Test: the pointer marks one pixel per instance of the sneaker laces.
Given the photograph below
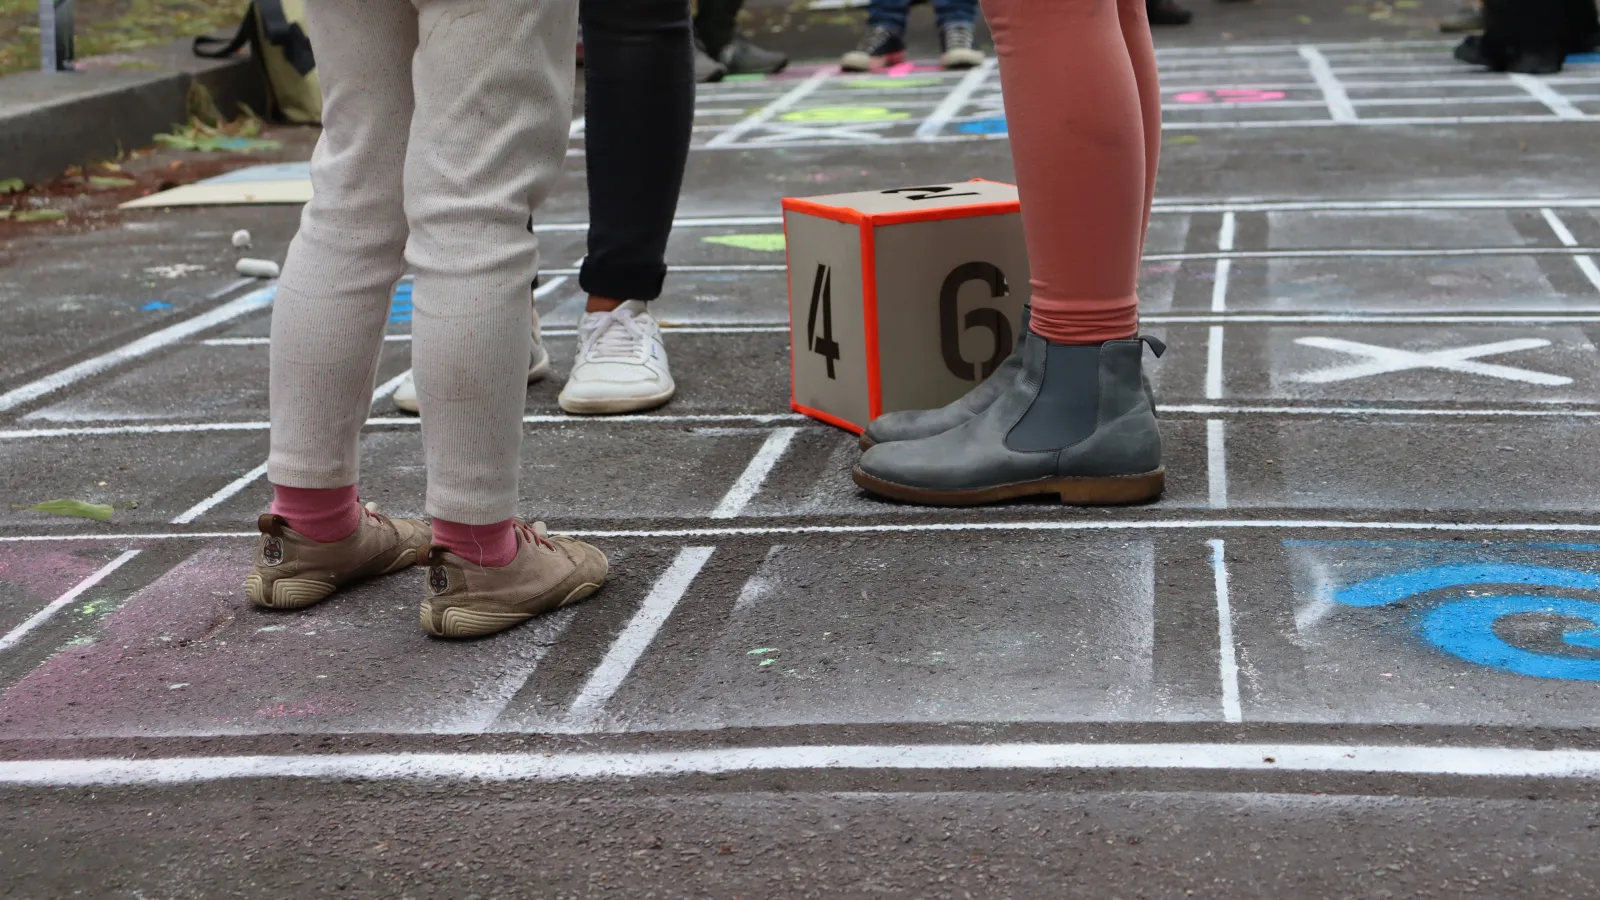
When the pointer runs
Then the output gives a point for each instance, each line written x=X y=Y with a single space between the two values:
x=958 y=37
x=535 y=533
x=616 y=335
x=876 y=38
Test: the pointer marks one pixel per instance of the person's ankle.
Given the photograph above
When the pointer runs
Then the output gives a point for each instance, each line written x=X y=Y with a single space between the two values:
x=324 y=515
x=598 y=304
x=490 y=546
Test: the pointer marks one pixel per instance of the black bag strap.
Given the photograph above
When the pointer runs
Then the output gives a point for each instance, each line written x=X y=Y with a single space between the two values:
x=287 y=36
x=207 y=47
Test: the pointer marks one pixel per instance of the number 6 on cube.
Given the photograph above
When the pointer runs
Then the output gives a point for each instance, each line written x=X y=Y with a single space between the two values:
x=901 y=299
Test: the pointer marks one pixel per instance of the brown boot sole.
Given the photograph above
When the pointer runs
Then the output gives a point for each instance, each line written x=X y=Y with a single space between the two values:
x=1110 y=490
x=460 y=622
x=299 y=593
x=866 y=443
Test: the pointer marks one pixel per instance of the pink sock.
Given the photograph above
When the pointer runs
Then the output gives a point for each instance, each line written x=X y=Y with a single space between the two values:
x=490 y=546
x=321 y=514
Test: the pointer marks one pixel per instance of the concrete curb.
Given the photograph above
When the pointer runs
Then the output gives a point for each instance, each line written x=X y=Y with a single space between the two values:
x=51 y=121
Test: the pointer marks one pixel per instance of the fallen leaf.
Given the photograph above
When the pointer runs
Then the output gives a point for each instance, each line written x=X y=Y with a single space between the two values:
x=38 y=215
x=99 y=512
x=765 y=243
x=1182 y=139
x=11 y=185
x=107 y=181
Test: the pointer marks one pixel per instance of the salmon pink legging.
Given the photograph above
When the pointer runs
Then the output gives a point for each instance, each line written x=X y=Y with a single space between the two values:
x=1084 y=110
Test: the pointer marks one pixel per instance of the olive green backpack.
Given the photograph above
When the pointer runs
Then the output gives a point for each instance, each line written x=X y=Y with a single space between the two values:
x=275 y=31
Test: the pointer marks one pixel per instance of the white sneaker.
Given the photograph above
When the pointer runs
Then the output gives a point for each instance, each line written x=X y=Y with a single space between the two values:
x=621 y=364
x=405 y=396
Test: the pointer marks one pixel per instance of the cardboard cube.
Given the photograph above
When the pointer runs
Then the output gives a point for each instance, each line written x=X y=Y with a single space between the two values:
x=901 y=299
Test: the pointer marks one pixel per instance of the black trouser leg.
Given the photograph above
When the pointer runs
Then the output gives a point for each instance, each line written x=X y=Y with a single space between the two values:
x=714 y=24
x=638 y=109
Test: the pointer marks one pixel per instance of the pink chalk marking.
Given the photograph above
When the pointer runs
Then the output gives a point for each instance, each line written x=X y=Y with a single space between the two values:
x=45 y=572
x=900 y=70
x=1228 y=96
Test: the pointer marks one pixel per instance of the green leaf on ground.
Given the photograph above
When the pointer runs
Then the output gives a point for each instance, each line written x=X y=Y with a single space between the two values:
x=107 y=181
x=38 y=215
x=11 y=185
x=75 y=508
x=1181 y=139
x=764 y=243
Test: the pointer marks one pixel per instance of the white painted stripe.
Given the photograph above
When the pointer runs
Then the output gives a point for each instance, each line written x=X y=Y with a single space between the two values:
x=384 y=390
x=666 y=327
x=549 y=287
x=15 y=636
x=221 y=496
x=1369 y=319
x=1228 y=666
x=1219 y=284
x=1217 y=462
x=1372 y=253
x=1549 y=96
x=576 y=129
x=958 y=97
x=1410 y=204
x=765 y=114
x=1567 y=239
x=631 y=644
x=702 y=222
x=756 y=267
x=172 y=334
x=1213 y=365
x=1086 y=526
x=1342 y=759
x=1206 y=409
x=398 y=422
x=1333 y=92
x=755 y=474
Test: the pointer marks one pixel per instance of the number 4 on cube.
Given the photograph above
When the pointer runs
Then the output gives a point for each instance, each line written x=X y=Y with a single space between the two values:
x=901 y=299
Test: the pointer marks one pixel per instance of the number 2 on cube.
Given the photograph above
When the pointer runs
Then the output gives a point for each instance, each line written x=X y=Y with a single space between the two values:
x=822 y=296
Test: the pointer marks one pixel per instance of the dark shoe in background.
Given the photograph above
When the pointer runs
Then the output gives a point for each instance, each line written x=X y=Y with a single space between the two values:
x=744 y=58
x=878 y=48
x=706 y=69
x=1167 y=12
x=958 y=48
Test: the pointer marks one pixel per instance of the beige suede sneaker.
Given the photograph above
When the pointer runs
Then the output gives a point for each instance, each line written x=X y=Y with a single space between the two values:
x=467 y=600
x=294 y=572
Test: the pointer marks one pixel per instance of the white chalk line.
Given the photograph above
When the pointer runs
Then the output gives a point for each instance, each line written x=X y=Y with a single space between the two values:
x=1228 y=665
x=755 y=474
x=958 y=97
x=767 y=113
x=15 y=635
x=1341 y=759
x=636 y=638
x=1371 y=253
x=1214 y=361
x=172 y=334
x=1219 y=285
x=1194 y=409
x=1565 y=236
x=1217 y=463
x=1549 y=96
x=1333 y=92
x=1085 y=526
x=222 y=495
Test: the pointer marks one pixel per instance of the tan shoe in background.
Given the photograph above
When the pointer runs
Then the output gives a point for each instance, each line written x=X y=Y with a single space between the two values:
x=467 y=600
x=294 y=572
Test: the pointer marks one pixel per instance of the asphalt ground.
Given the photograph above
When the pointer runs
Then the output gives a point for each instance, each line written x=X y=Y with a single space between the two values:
x=1352 y=652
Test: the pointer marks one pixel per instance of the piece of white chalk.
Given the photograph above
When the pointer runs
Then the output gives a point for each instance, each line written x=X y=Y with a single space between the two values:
x=257 y=268
x=241 y=239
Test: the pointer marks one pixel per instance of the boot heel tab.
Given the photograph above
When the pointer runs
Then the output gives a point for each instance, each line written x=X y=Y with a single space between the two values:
x=1157 y=346
x=272 y=524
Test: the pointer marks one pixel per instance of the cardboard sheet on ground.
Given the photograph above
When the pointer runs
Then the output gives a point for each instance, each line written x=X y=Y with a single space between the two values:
x=277 y=183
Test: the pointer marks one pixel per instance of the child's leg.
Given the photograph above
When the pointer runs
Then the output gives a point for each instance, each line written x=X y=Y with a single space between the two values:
x=494 y=88
x=1073 y=107
x=890 y=14
x=955 y=12
x=332 y=303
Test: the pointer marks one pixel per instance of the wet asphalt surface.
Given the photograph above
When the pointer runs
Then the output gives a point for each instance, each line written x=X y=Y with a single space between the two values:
x=1343 y=560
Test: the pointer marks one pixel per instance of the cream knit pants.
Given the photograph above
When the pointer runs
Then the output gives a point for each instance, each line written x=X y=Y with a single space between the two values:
x=444 y=123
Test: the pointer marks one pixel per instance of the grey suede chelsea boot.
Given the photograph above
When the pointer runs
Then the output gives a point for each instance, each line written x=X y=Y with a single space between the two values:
x=1075 y=421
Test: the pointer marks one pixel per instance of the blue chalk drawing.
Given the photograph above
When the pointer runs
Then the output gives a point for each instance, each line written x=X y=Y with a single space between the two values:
x=1578 y=59
x=400 y=307
x=154 y=305
x=996 y=125
x=1465 y=628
